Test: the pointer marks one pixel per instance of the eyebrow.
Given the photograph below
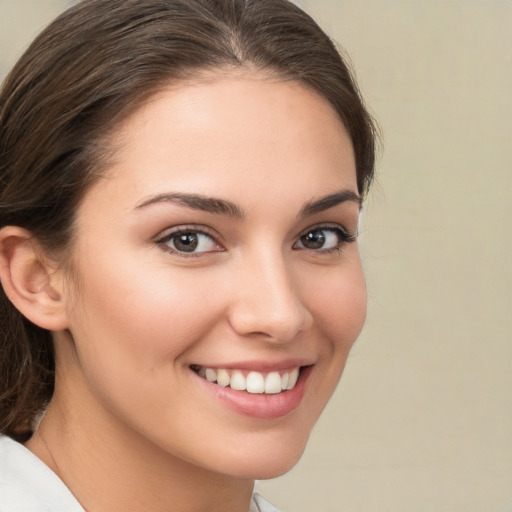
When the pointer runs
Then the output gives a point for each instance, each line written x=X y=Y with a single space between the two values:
x=224 y=207
x=329 y=202
x=197 y=202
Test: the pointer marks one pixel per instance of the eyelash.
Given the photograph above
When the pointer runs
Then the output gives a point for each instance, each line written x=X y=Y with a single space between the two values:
x=344 y=237
x=187 y=230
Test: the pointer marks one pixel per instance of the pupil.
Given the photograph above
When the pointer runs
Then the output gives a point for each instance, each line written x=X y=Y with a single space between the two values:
x=186 y=242
x=313 y=240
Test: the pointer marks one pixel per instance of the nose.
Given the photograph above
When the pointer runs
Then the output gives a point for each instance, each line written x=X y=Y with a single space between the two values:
x=266 y=301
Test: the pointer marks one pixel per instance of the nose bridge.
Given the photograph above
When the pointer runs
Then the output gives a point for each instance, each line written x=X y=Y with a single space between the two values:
x=268 y=301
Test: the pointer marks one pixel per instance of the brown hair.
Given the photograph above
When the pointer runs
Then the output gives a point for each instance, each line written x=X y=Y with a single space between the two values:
x=90 y=68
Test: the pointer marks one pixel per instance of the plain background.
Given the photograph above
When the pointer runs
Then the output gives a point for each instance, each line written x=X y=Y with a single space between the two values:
x=422 y=420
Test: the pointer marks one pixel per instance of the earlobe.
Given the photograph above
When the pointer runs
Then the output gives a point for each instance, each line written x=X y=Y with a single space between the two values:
x=28 y=280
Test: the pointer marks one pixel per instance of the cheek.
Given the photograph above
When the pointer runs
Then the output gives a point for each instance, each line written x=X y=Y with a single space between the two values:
x=339 y=308
x=133 y=329
x=348 y=313
x=337 y=302
x=133 y=319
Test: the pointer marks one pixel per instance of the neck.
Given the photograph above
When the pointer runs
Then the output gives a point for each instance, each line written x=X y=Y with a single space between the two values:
x=112 y=469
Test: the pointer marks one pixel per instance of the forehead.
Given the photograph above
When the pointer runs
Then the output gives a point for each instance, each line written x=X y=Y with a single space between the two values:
x=213 y=135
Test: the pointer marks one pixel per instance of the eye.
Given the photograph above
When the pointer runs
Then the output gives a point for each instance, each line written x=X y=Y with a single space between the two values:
x=189 y=241
x=324 y=239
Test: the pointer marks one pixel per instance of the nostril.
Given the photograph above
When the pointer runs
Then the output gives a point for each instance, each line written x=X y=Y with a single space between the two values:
x=272 y=331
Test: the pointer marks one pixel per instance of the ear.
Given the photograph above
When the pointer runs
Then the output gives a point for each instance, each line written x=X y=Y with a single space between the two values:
x=29 y=281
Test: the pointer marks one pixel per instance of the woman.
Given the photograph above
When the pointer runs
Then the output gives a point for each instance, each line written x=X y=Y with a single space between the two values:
x=181 y=183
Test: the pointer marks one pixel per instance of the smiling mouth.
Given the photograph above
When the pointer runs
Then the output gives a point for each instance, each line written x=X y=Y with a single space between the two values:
x=271 y=383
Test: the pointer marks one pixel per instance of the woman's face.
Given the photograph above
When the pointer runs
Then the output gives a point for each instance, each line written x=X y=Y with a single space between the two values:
x=215 y=260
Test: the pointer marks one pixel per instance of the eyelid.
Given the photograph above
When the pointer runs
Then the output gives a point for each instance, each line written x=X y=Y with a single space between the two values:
x=165 y=236
x=331 y=225
x=346 y=237
x=183 y=228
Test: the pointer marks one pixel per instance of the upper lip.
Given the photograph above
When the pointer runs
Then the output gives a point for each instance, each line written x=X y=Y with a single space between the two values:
x=262 y=366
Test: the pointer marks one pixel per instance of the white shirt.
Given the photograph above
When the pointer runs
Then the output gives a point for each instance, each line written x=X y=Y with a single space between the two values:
x=27 y=484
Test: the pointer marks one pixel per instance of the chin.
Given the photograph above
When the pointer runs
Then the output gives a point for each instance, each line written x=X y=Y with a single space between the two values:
x=264 y=463
x=275 y=470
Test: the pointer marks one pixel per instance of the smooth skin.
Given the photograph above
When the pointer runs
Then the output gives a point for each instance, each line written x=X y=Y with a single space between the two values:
x=130 y=426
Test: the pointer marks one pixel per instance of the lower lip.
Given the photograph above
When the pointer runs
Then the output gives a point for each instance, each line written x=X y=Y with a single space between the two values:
x=264 y=406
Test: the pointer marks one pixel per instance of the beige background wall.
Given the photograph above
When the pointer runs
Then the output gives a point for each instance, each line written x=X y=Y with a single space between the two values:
x=423 y=418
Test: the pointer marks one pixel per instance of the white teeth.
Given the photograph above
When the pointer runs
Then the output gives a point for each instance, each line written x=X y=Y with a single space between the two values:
x=255 y=382
x=223 y=378
x=294 y=375
x=210 y=375
x=238 y=381
x=284 y=381
x=273 y=383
